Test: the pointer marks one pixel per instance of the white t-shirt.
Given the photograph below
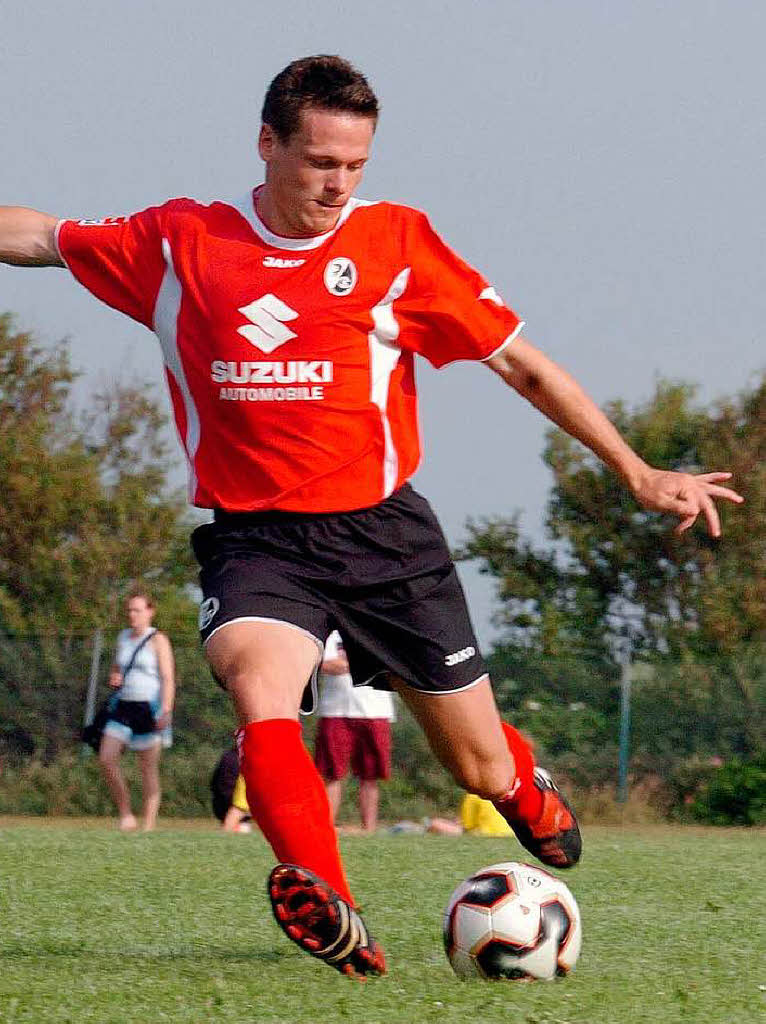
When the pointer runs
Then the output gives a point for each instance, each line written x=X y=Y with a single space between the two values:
x=143 y=681
x=339 y=698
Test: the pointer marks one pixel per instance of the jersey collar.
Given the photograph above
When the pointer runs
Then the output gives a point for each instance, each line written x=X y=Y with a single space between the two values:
x=247 y=208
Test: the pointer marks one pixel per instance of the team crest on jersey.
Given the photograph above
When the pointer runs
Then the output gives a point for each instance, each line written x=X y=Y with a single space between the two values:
x=340 y=276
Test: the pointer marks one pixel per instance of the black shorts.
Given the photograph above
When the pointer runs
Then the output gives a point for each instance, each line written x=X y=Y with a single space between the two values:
x=135 y=714
x=382 y=576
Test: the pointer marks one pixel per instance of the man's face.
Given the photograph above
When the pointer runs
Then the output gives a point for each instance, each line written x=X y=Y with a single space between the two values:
x=312 y=176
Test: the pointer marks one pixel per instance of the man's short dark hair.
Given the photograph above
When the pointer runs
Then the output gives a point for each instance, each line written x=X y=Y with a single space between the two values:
x=323 y=83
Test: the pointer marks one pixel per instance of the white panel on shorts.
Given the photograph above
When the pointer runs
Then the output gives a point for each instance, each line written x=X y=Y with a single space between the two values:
x=429 y=693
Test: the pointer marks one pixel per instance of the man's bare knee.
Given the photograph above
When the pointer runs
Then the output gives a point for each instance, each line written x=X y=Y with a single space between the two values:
x=487 y=779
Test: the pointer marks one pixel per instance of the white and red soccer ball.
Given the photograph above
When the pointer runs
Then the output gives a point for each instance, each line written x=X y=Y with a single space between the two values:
x=512 y=921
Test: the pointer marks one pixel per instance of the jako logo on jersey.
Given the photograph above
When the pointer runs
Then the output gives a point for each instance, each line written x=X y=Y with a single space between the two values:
x=340 y=276
x=267 y=330
x=296 y=371
x=208 y=611
x=280 y=264
x=460 y=656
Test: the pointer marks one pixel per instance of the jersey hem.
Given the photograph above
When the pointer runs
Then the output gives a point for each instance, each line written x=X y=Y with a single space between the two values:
x=514 y=334
x=56 y=242
x=426 y=693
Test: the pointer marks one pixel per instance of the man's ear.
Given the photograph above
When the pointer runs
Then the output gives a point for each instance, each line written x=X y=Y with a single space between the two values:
x=266 y=140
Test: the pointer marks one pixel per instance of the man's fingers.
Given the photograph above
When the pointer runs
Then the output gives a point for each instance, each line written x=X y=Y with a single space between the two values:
x=713 y=477
x=724 y=492
x=688 y=506
x=710 y=482
x=711 y=516
x=685 y=523
x=706 y=488
x=689 y=496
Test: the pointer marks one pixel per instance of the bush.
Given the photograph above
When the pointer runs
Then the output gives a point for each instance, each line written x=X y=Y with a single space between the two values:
x=735 y=795
x=72 y=784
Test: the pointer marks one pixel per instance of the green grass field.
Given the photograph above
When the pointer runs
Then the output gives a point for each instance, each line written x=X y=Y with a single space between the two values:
x=175 y=926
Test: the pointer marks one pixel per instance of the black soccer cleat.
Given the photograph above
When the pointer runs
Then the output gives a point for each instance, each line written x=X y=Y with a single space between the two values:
x=555 y=837
x=322 y=923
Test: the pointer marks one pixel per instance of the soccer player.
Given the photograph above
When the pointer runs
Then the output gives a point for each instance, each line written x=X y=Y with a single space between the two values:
x=289 y=323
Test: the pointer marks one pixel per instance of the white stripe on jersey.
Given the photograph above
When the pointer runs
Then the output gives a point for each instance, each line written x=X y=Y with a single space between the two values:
x=165 y=320
x=384 y=356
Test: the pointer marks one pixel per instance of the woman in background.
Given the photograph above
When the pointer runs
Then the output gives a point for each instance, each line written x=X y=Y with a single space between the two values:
x=143 y=677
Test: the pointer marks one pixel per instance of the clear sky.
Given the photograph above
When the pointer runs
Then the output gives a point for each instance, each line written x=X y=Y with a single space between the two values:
x=601 y=162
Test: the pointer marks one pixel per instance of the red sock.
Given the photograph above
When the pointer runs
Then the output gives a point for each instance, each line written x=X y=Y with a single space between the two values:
x=288 y=799
x=524 y=800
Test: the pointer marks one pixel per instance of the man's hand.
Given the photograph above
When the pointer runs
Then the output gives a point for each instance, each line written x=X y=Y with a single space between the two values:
x=559 y=397
x=686 y=495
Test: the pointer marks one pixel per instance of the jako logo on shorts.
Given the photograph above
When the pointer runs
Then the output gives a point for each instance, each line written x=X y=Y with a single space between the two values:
x=459 y=656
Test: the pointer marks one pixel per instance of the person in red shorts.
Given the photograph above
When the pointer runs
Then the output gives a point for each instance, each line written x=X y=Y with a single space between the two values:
x=353 y=730
x=290 y=320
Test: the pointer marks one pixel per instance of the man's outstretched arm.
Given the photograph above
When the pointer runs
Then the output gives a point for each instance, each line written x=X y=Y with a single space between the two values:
x=27 y=238
x=559 y=397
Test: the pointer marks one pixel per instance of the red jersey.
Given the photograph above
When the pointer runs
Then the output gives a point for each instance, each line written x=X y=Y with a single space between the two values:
x=290 y=361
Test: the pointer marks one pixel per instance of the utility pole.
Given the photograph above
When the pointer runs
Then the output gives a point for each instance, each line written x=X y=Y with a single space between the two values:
x=624 y=753
x=90 y=698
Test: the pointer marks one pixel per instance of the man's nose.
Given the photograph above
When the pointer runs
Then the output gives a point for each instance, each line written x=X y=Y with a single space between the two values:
x=337 y=181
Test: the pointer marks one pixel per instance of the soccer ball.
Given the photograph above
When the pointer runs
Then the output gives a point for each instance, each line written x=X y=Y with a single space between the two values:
x=512 y=921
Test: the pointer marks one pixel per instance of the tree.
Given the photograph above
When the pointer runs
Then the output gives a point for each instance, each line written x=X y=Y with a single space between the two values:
x=87 y=513
x=615 y=582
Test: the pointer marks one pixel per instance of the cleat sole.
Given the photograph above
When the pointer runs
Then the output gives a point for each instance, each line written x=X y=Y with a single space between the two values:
x=320 y=921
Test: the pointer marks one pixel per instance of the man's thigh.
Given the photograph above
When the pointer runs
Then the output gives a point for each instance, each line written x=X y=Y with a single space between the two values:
x=256 y=607
x=264 y=666
x=465 y=732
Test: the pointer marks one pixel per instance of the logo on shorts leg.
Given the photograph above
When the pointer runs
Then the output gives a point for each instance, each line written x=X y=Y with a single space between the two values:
x=459 y=656
x=207 y=612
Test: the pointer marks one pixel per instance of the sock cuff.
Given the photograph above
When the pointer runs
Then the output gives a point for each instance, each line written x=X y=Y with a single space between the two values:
x=523 y=800
x=519 y=748
x=273 y=732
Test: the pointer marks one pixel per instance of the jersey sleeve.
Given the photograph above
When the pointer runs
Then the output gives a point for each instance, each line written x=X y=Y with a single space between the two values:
x=447 y=310
x=119 y=260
